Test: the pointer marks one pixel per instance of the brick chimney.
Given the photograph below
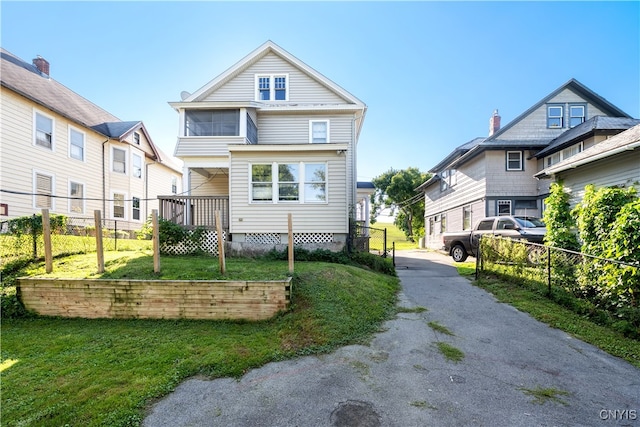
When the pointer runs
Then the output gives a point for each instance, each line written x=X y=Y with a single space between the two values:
x=41 y=64
x=494 y=123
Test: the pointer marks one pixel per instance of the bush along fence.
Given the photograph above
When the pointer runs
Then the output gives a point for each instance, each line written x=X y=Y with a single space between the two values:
x=605 y=290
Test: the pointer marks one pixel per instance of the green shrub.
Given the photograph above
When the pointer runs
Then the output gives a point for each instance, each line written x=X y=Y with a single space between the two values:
x=557 y=217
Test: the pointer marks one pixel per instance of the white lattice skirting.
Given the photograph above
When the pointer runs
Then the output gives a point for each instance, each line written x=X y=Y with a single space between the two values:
x=208 y=244
x=303 y=238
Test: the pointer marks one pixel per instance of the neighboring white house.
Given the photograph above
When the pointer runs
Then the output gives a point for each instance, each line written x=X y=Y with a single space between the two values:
x=61 y=152
x=495 y=175
x=614 y=162
x=270 y=137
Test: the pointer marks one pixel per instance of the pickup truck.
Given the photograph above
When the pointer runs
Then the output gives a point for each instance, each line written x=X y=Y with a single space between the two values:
x=461 y=245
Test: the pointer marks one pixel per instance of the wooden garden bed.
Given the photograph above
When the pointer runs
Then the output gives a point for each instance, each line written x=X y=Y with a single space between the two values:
x=155 y=299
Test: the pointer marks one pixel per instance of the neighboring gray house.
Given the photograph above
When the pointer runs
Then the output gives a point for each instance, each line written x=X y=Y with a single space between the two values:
x=612 y=162
x=495 y=175
x=269 y=137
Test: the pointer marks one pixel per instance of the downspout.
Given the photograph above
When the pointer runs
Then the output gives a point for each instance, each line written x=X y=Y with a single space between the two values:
x=104 y=182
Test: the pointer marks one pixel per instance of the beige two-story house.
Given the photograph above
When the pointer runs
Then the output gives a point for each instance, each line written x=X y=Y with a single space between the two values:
x=61 y=152
x=269 y=137
x=494 y=175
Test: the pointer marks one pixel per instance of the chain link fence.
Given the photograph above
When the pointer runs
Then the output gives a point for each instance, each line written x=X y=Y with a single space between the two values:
x=69 y=235
x=369 y=239
x=593 y=286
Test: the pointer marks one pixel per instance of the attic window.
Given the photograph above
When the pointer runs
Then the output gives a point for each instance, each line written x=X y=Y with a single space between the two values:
x=136 y=138
x=272 y=87
x=555 y=116
x=576 y=115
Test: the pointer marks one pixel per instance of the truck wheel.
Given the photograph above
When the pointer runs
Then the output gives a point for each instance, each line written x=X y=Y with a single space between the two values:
x=458 y=253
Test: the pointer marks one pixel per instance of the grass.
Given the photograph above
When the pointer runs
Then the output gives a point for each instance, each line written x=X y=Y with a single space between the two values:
x=440 y=328
x=104 y=372
x=450 y=352
x=543 y=395
x=395 y=235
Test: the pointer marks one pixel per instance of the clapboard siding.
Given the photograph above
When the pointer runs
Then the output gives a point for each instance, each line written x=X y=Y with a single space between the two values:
x=155 y=299
x=294 y=128
x=501 y=182
x=302 y=88
x=247 y=217
x=620 y=170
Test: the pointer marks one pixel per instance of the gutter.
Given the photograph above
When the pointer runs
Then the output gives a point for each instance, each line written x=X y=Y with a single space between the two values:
x=548 y=173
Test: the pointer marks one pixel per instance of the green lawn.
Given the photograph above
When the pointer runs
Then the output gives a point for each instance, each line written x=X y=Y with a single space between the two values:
x=395 y=235
x=77 y=372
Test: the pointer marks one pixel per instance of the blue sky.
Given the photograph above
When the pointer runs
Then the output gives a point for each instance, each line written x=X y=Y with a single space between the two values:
x=431 y=73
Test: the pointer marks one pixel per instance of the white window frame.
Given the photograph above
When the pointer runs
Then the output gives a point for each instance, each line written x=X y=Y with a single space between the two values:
x=174 y=185
x=52 y=176
x=35 y=130
x=272 y=87
x=133 y=209
x=583 y=116
x=326 y=130
x=554 y=117
x=71 y=145
x=113 y=205
x=126 y=154
x=72 y=201
x=133 y=166
x=467 y=225
x=521 y=161
x=503 y=203
x=301 y=182
x=136 y=138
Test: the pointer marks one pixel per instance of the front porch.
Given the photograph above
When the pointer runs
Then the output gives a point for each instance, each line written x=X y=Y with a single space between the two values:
x=195 y=211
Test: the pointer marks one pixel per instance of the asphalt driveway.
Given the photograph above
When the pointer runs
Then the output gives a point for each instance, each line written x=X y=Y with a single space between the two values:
x=402 y=379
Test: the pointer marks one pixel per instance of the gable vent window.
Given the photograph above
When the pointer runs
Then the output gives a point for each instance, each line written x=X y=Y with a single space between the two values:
x=272 y=87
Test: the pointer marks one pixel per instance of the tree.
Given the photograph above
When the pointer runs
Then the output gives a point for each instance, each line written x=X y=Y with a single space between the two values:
x=397 y=189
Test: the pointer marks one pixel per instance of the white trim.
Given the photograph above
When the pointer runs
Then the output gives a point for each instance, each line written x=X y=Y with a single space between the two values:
x=126 y=157
x=141 y=216
x=504 y=202
x=53 y=130
x=328 y=130
x=141 y=165
x=84 y=196
x=275 y=182
x=34 y=181
x=272 y=87
x=521 y=168
x=112 y=205
x=84 y=143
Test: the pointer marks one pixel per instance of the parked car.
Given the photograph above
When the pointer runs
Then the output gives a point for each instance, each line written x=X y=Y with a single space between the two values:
x=461 y=245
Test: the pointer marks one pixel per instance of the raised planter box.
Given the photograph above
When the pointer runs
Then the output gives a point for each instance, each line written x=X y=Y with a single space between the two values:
x=155 y=299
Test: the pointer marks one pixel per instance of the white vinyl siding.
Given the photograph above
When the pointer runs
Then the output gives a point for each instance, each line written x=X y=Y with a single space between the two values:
x=43 y=185
x=43 y=130
x=330 y=216
x=301 y=87
x=295 y=129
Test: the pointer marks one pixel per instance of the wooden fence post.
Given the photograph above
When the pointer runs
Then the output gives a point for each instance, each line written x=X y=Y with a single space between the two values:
x=156 y=240
x=223 y=265
x=290 y=244
x=46 y=234
x=99 y=248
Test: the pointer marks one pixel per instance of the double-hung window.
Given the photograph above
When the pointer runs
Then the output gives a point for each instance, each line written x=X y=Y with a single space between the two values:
x=76 y=144
x=119 y=160
x=136 y=138
x=288 y=182
x=174 y=185
x=136 y=165
x=261 y=183
x=135 y=203
x=315 y=182
x=318 y=131
x=466 y=217
x=118 y=205
x=555 y=116
x=43 y=132
x=76 y=194
x=273 y=87
x=43 y=189
x=576 y=115
x=514 y=161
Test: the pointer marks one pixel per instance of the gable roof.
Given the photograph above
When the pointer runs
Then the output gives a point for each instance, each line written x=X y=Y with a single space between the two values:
x=257 y=54
x=622 y=142
x=586 y=129
x=26 y=80
x=576 y=87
